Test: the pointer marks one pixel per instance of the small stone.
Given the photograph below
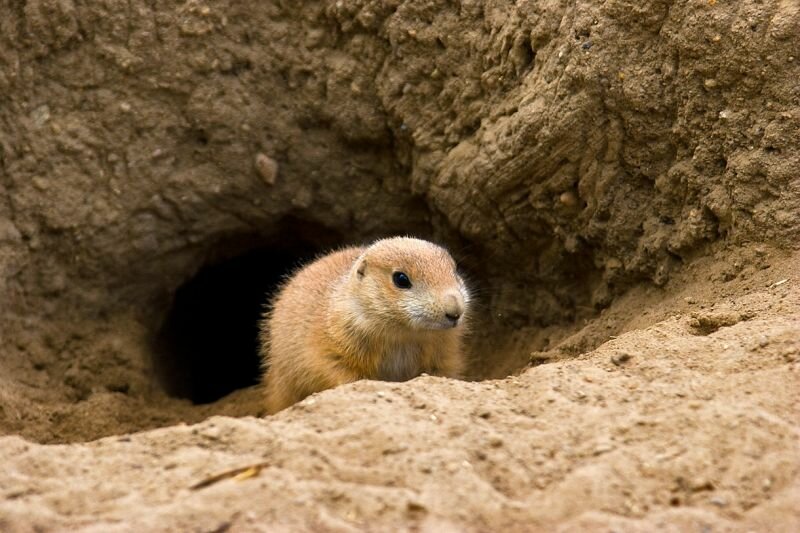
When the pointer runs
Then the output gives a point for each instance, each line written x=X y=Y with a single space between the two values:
x=620 y=358
x=416 y=507
x=568 y=199
x=125 y=107
x=710 y=83
x=267 y=168
x=719 y=501
x=700 y=483
x=603 y=448
x=40 y=115
x=689 y=300
x=40 y=183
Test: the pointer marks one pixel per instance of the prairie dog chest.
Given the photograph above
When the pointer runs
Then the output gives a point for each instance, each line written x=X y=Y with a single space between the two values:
x=400 y=363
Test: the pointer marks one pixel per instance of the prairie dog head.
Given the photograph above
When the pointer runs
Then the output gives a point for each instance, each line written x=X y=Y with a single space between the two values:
x=410 y=284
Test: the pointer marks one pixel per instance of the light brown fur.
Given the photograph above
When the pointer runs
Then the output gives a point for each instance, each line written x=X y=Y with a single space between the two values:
x=342 y=318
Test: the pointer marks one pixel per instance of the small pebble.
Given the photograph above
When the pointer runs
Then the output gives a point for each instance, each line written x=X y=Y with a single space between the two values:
x=267 y=168
x=40 y=183
x=568 y=199
x=620 y=358
x=603 y=448
x=718 y=501
x=416 y=507
x=40 y=115
x=700 y=483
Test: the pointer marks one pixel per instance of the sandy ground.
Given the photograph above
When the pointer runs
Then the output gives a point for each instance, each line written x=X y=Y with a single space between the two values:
x=618 y=179
x=690 y=423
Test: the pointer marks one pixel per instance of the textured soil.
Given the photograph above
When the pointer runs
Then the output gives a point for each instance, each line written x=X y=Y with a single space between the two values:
x=619 y=181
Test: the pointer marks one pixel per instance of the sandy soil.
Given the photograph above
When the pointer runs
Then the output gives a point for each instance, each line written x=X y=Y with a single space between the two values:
x=690 y=423
x=619 y=181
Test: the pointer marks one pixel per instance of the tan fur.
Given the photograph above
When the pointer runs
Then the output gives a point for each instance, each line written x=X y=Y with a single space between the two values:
x=341 y=319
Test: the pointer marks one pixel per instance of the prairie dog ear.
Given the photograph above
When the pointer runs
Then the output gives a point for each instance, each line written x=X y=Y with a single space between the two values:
x=362 y=267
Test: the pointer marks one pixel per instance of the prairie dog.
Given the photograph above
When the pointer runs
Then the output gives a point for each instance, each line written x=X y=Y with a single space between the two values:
x=389 y=311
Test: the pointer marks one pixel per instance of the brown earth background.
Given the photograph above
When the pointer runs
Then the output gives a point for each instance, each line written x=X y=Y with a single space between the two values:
x=620 y=181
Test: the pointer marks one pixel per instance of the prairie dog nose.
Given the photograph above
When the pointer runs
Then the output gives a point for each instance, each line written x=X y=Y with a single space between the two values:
x=453 y=306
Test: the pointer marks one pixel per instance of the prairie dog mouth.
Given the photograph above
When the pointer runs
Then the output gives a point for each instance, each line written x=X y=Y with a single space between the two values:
x=429 y=323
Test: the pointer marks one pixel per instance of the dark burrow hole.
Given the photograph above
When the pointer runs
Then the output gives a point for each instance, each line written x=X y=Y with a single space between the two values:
x=207 y=346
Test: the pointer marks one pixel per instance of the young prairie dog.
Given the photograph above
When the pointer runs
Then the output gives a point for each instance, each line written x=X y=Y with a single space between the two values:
x=390 y=312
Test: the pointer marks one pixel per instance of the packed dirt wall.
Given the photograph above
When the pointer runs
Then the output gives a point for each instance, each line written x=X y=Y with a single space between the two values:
x=597 y=169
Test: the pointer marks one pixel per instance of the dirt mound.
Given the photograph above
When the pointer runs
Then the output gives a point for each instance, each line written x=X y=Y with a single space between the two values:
x=619 y=182
x=691 y=422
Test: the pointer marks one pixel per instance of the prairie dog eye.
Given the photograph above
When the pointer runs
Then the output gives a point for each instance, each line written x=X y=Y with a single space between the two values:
x=401 y=280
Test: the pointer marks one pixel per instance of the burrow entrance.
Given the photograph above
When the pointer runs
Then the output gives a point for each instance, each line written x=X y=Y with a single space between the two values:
x=207 y=346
